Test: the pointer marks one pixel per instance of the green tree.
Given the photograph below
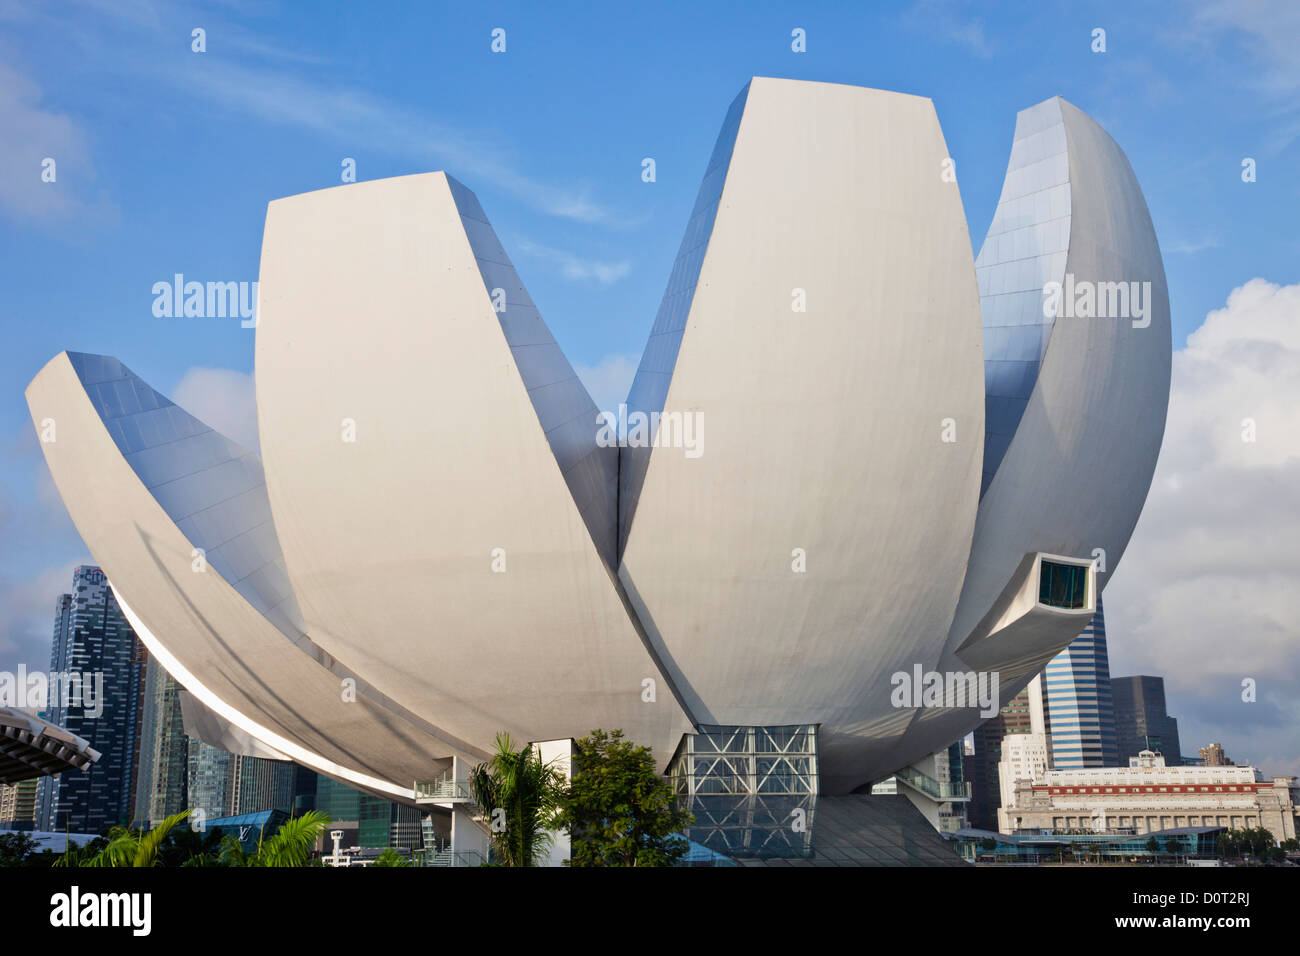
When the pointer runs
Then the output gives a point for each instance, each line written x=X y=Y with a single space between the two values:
x=185 y=846
x=16 y=849
x=519 y=796
x=390 y=857
x=1153 y=845
x=1262 y=843
x=291 y=846
x=619 y=811
x=126 y=847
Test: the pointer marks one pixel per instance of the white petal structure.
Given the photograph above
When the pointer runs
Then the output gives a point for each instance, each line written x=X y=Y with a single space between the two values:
x=445 y=512
x=865 y=452
x=177 y=517
x=818 y=541
x=1067 y=467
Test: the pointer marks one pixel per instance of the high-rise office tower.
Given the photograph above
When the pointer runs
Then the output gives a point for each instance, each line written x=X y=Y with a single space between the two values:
x=210 y=781
x=161 y=783
x=262 y=784
x=1214 y=756
x=18 y=805
x=96 y=675
x=223 y=784
x=1077 y=707
x=980 y=767
x=950 y=769
x=378 y=822
x=1142 y=721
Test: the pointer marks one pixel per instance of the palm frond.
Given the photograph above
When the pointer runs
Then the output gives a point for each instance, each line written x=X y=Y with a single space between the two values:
x=147 y=844
x=293 y=842
x=232 y=852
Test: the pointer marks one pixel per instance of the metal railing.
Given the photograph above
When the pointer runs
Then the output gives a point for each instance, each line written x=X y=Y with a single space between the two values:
x=932 y=788
x=442 y=790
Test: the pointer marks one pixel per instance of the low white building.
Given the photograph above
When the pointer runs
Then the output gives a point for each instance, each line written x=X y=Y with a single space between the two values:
x=1149 y=796
x=1024 y=757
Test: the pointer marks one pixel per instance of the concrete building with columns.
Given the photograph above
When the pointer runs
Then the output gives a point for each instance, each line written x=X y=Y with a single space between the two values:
x=1150 y=796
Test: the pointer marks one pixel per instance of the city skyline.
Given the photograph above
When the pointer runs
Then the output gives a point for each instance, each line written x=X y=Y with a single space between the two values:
x=219 y=784
x=149 y=767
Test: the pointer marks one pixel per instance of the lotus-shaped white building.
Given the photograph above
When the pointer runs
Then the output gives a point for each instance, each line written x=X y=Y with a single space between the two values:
x=903 y=459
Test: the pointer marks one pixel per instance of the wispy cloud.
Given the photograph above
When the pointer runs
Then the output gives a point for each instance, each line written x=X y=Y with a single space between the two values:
x=1205 y=594
x=576 y=267
x=222 y=399
x=250 y=77
x=1188 y=247
x=1266 y=29
x=609 y=380
x=37 y=139
x=947 y=20
x=1266 y=33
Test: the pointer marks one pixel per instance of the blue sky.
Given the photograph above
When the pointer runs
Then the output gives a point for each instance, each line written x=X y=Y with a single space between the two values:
x=167 y=158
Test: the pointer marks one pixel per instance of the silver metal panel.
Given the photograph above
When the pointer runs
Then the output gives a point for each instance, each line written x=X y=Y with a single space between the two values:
x=210 y=486
x=213 y=640
x=206 y=725
x=650 y=384
x=648 y=589
x=458 y=552
x=1024 y=249
x=1075 y=475
x=823 y=430
x=565 y=410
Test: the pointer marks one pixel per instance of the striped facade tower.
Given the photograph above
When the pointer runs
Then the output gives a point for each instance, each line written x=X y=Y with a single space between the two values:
x=1080 y=716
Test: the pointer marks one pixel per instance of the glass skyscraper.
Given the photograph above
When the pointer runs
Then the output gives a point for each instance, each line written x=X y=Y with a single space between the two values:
x=1142 y=721
x=210 y=781
x=161 y=784
x=1077 y=706
x=378 y=822
x=262 y=784
x=223 y=784
x=96 y=681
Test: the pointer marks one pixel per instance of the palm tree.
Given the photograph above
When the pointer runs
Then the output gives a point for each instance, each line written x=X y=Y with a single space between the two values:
x=291 y=846
x=390 y=857
x=126 y=847
x=519 y=796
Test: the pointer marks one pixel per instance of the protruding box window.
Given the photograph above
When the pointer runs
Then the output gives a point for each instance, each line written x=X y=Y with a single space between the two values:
x=1063 y=585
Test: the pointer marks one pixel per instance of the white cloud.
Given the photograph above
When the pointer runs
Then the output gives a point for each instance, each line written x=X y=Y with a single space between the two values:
x=299 y=90
x=31 y=135
x=577 y=267
x=1206 y=594
x=349 y=114
x=1190 y=247
x=1266 y=32
x=27 y=625
x=609 y=380
x=221 y=398
x=945 y=19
